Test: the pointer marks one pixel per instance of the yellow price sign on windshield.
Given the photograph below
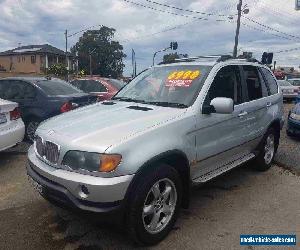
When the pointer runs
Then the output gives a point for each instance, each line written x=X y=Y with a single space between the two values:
x=184 y=75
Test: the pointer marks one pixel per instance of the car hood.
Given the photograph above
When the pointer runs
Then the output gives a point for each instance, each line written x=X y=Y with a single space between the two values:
x=100 y=126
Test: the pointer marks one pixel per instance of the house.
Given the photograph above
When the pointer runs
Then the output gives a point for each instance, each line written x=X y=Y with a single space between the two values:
x=33 y=59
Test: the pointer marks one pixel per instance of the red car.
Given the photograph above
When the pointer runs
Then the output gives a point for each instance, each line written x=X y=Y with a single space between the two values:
x=103 y=88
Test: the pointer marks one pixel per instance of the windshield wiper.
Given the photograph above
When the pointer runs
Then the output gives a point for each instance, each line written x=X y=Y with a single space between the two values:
x=127 y=99
x=168 y=104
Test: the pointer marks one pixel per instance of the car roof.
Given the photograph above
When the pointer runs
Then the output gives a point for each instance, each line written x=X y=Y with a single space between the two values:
x=26 y=78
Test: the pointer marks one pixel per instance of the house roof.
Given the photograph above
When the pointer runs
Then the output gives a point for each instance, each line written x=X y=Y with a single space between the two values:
x=35 y=49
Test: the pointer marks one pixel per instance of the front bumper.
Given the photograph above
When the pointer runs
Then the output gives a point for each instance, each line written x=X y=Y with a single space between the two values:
x=65 y=188
x=293 y=126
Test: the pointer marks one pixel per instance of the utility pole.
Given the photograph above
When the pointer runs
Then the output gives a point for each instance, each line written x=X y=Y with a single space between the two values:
x=90 y=56
x=66 y=36
x=238 y=26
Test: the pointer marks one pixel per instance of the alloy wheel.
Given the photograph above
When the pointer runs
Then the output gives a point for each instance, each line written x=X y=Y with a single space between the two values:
x=159 y=206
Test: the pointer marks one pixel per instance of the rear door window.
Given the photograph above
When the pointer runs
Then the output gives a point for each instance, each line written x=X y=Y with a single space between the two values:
x=253 y=82
x=270 y=80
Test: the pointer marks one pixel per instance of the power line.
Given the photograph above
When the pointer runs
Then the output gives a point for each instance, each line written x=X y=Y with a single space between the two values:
x=270 y=28
x=266 y=31
x=163 y=11
x=187 y=10
x=80 y=31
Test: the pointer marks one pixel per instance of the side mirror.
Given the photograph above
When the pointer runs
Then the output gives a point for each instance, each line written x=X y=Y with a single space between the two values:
x=222 y=105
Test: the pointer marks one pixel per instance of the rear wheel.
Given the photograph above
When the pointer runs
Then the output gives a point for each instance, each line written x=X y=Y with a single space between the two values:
x=154 y=205
x=31 y=127
x=267 y=152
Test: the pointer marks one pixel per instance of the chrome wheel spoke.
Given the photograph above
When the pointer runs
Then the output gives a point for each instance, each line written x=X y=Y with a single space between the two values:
x=149 y=209
x=167 y=209
x=154 y=222
x=167 y=192
x=156 y=191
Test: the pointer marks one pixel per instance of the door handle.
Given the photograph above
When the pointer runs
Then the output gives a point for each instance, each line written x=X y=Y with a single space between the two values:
x=269 y=104
x=243 y=113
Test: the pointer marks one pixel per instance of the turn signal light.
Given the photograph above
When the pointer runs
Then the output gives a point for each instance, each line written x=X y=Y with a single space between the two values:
x=109 y=162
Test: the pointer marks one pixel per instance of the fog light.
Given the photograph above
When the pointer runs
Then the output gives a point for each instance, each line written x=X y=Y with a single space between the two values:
x=83 y=191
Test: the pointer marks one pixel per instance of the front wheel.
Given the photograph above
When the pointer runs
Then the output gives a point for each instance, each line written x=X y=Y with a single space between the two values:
x=155 y=205
x=267 y=151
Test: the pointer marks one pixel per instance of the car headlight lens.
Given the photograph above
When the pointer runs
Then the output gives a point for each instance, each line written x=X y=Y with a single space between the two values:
x=92 y=162
x=295 y=116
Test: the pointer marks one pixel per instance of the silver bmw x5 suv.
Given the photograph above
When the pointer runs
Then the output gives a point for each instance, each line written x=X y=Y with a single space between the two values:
x=174 y=126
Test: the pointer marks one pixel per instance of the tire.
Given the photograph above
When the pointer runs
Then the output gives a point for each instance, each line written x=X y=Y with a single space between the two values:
x=267 y=151
x=288 y=133
x=31 y=127
x=146 y=222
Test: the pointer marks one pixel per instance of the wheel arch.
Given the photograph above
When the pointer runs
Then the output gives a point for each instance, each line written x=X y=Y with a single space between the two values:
x=176 y=159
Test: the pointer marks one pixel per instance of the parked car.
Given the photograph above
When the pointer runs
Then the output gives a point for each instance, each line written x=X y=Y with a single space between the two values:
x=41 y=98
x=173 y=126
x=289 y=91
x=293 y=128
x=11 y=125
x=103 y=88
x=295 y=82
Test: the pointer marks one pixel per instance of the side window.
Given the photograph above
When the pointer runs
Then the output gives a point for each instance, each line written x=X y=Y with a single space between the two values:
x=3 y=89
x=265 y=91
x=227 y=83
x=253 y=83
x=271 y=82
x=94 y=86
x=18 y=90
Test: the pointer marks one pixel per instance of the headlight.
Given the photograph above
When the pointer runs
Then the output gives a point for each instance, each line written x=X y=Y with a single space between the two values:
x=93 y=162
x=295 y=116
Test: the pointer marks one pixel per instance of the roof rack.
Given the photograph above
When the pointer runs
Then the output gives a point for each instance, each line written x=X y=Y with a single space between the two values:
x=212 y=58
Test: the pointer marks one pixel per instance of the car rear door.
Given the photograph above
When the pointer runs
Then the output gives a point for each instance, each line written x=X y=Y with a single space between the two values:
x=256 y=106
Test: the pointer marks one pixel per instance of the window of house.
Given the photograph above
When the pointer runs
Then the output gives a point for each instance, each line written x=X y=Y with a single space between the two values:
x=33 y=59
x=19 y=59
x=23 y=58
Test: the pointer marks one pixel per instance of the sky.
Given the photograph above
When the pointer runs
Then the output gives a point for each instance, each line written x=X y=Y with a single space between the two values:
x=271 y=26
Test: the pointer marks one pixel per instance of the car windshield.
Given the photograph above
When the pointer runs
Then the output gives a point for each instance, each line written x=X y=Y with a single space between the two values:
x=172 y=86
x=57 y=87
x=295 y=82
x=89 y=86
x=284 y=83
x=116 y=83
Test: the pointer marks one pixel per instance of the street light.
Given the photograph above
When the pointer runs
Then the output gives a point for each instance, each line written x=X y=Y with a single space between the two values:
x=245 y=11
x=90 y=57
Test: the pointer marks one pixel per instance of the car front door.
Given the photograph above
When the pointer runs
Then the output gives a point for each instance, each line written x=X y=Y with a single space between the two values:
x=220 y=138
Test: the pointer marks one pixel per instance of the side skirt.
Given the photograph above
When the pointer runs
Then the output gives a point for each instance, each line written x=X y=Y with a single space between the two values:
x=221 y=170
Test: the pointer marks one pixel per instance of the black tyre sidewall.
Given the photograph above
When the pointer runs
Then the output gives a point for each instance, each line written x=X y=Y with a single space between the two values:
x=26 y=132
x=135 y=223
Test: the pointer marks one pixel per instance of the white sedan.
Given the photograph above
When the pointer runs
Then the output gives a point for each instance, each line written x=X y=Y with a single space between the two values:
x=11 y=125
x=288 y=90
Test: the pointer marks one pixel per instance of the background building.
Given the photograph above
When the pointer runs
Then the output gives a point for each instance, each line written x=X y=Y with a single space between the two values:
x=33 y=59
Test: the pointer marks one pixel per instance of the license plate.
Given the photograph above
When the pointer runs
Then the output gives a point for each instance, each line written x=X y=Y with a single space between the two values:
x=38 y=187
x=3 y=118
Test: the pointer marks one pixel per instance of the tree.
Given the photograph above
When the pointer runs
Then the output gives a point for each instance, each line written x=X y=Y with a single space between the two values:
x=170 y=58
x=107 y=55
x=58 y=69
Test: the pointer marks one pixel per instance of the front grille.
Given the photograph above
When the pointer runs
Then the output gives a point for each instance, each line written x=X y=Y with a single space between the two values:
x=47 y=150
